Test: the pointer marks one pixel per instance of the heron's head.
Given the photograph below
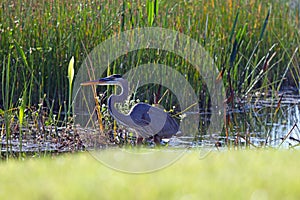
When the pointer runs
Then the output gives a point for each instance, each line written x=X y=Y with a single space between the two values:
x=110 y=80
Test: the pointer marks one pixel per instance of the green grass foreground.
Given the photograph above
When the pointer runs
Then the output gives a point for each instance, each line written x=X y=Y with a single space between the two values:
x=249 y=174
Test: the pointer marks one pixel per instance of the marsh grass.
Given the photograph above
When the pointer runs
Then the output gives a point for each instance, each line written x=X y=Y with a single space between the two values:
x=253 y=44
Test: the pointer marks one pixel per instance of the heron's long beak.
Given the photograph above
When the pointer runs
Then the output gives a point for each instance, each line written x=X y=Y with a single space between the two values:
x=101 y=81
x=94 y=82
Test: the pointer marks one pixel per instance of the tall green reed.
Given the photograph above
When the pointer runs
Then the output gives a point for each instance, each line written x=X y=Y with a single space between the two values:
x=6 y=100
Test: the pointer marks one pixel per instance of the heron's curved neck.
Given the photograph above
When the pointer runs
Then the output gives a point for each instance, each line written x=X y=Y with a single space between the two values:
x=118 y=99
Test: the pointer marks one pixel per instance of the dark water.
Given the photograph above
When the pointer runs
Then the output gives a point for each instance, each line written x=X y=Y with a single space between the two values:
x=263 y=121
x=270 y=121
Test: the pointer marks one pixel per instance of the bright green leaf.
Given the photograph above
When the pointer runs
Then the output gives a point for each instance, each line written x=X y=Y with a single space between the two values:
x=71 y=71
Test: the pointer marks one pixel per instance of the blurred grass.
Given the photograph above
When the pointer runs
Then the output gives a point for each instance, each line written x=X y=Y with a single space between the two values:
x=263 y=174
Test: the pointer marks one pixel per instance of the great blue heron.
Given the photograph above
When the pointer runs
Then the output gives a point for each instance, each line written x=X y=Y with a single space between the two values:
x=144 y=119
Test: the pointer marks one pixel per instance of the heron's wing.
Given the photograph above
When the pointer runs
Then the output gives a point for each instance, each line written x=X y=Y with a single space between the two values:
x=161 y=123
x=149 y=120
x=139 y=114
x=170 y=127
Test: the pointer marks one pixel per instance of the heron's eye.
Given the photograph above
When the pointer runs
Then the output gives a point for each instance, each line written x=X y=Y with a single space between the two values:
x=116 y=76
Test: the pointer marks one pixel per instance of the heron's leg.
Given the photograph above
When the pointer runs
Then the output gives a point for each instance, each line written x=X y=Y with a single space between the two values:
x=139 y=140
x=157 y=139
